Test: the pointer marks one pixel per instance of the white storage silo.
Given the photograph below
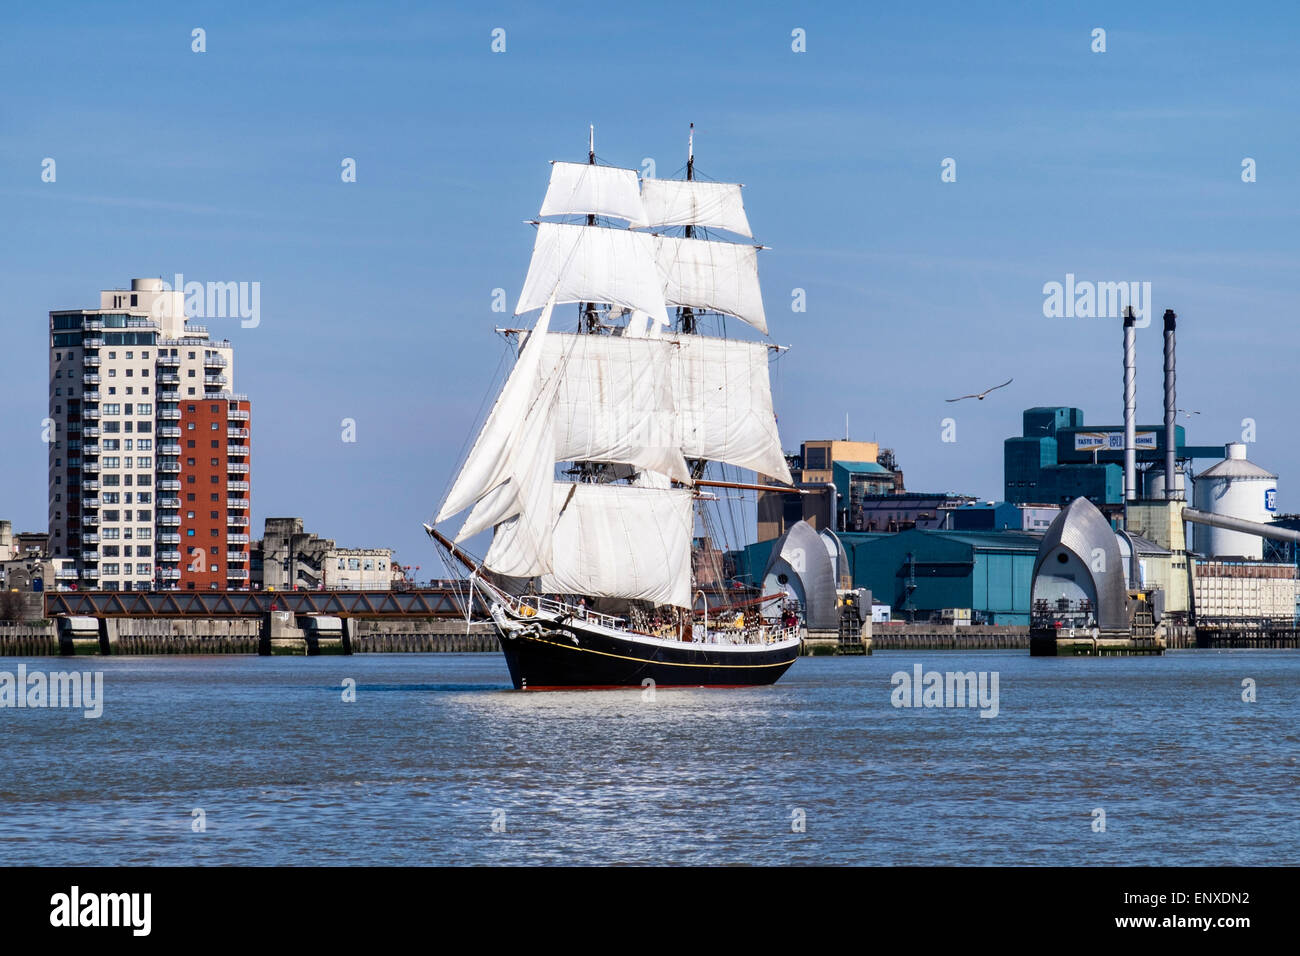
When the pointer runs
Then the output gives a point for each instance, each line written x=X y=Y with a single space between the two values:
x=1155 y=484
x=1237 y=488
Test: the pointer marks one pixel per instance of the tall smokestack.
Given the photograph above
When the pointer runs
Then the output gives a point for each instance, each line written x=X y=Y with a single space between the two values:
x=1130 y=405
x=1171 y=406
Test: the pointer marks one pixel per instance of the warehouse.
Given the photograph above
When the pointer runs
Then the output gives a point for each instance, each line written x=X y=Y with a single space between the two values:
x=921 y=573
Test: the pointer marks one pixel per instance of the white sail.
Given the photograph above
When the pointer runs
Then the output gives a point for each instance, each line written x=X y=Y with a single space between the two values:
x=622 y=541
x=577 y=263
x=724 y=401
x=493 y=458
x=675 y=202
x=582 y=189
x=717 y=276
x=615 y=401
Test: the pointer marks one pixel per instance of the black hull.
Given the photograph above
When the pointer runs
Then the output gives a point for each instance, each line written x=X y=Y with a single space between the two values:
x=557 y=656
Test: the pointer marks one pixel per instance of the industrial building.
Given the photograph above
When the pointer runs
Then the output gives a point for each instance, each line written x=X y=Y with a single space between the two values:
x=290 y=558
x=845 y=472
x=149 y=473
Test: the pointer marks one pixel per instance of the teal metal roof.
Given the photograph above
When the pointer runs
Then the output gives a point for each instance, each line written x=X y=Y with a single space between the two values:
x=858 y=467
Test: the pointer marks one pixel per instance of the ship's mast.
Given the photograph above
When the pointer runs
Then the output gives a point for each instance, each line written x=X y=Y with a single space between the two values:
x=587 y=320
x=686 y=313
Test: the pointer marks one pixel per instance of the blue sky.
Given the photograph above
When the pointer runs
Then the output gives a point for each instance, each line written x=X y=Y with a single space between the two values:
x=376 y=295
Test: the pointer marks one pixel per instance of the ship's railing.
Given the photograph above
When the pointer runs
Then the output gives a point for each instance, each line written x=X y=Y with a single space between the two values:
x=538 y=603
x=750 y=634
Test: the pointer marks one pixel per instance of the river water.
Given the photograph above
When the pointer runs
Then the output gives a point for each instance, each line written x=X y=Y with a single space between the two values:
x=438 y=761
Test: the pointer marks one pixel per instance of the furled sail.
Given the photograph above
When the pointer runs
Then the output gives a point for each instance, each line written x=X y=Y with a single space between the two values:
x=724 y=403
x=615 y=401
x=674 y=202
x=583 y=189
x=622 y=541
x=577 y=263
x=496 y=454
x=716 y=276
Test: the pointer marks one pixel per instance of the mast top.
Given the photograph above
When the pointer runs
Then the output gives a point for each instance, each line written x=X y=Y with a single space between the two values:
x=690 y=154
x=591 y=144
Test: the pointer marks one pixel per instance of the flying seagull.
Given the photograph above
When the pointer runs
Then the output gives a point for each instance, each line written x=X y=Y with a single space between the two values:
x=1187 y=413
x=980 y=395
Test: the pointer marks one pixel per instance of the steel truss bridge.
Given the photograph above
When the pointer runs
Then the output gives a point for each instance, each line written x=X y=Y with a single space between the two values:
x=443 y=602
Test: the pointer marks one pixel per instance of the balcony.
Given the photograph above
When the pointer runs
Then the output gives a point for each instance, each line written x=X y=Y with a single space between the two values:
x=91 y=486
x=237 y=451
x=170 y=361
x=90 y=448
x=91 y=521
x=169 y=502
x=92 y=361
x=240 y=504
x=236 y=432
x=91 y=467
x=90 y=539
x=168 y=378
x=169 y=555
x=170 y=414
x=169 y=466
x=90 y=396
x=214 y=361
x=66 y=574
x=238 y=415
x=90 y=378
x=168 y=537
x=91 y=502
x=236 y=486
x=91 y=413
x=236 y=539
x=90 y=431
x=92 y=322
x=237 y=574
x=217 y=380
x=169 y=484
x=90 y=573
x=169 y=431
x=92 y=343
x=237 y=467
x=238 y=521
x=239 y=557
x=92 y=556
x=169 y=574
x=169 y=521
x=169 y=448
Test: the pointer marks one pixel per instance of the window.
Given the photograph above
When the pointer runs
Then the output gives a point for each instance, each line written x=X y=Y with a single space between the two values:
x=189 y=514
x=142 y=569
x=144 y=408
x=354 y=564
x=189 y=426
x=189 y=462
x=214 y=514
x=112 y=444
x=112 y=462
x=214 y=462
x=214 y=443
x=368 y=564
x=110 y=551
x=189 y=532
x=190 y=496
x=216 y=425
x=190 y=443
x=111 y=515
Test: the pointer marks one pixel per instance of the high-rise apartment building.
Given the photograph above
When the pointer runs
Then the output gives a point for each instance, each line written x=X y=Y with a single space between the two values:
x=149 y=447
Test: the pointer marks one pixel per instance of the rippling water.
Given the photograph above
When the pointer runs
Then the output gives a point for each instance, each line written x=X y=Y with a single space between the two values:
x=412 y=772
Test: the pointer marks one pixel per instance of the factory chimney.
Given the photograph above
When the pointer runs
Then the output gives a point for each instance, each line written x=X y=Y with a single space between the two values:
x=1171 y=407
x=1130 y=405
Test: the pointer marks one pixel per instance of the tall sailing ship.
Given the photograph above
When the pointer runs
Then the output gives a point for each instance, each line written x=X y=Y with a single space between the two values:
x=603 y=448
